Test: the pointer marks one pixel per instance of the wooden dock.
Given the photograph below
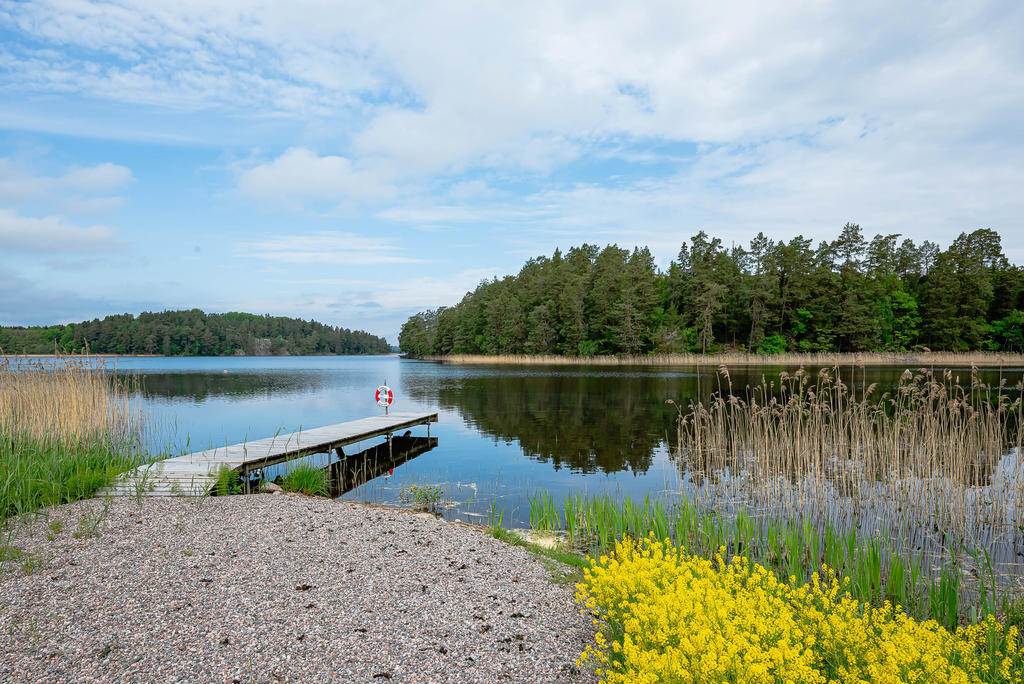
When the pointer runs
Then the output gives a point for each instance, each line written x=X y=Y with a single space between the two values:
x=195 y=474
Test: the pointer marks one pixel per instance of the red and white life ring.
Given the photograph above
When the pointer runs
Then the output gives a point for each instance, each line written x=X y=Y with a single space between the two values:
x=384 y=396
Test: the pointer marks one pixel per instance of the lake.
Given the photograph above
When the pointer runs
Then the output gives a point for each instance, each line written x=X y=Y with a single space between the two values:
x=505 y=432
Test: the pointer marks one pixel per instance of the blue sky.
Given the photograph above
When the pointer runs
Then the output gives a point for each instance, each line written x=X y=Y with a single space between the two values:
x=358 y=162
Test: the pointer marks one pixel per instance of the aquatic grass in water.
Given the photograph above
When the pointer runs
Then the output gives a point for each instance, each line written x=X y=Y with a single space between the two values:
x=792 y=549
x=427 y=497
x=938 y=445
x=544 y=512
x=934 y=464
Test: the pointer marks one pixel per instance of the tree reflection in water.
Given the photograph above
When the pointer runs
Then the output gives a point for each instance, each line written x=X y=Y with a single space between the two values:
x=603 y=422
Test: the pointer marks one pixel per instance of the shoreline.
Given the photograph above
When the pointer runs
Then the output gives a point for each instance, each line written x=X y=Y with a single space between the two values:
x=910 y=359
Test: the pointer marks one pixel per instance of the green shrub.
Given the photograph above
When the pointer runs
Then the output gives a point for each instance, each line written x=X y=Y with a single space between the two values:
x=773 y=344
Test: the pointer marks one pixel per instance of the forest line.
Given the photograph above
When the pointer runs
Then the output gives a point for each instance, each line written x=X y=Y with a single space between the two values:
x=192 y=333
x=847 y=295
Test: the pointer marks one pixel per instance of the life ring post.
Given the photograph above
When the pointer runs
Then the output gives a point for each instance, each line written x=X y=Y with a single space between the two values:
x=384 y=396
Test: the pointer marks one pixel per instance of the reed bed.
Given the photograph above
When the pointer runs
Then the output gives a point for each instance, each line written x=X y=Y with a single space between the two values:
x=935 y=461
x=929 y=359
x=915 y=494
x=68 y=426
x=68 y=396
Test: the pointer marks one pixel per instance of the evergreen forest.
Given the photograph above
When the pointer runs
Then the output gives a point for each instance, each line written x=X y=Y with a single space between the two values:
x=850 y=294
x=192 y=333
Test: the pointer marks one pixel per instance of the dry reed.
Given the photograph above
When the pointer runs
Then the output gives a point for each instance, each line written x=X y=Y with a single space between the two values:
x=932 y=461
x=929 y=359
x=67 y=397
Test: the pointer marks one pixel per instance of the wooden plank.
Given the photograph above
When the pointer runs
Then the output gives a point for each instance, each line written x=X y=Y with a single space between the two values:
x=197 y=471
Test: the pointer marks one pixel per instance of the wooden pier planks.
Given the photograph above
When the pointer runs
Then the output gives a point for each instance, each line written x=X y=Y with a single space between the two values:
x=195 y=474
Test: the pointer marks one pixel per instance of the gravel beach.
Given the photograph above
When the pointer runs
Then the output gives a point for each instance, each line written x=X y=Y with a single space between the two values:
x=274 y=588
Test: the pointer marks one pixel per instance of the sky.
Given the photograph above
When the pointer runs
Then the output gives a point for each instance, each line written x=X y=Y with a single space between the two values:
x=358 y=162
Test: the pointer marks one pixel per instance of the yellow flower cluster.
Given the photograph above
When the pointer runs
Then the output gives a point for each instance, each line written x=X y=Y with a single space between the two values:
x=669 y=617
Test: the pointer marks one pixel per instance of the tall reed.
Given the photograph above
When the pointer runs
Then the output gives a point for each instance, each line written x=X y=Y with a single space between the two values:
x=68 y=396
x=934 y=460
x=68 y=426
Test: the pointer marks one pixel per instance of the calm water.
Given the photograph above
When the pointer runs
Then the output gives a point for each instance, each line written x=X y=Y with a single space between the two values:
x=504 y=432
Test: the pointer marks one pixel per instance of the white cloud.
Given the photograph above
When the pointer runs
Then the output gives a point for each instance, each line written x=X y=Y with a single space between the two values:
x=52 y=235
x=380 y=306
x=301 y=174
x=440 y=86
x=23 y=302
x=91 y=205
x=101 y=178
x=187 y=57
x=812 y=185
x=325 y=248
x=904 y=117
x=73 y=191
x=470 y=189
x=431 y=292
x=809 y=186
x=437 y=213
x=406 y=295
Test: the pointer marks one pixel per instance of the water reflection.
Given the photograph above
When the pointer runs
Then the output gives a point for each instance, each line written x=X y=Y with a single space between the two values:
x=593 y=420
x=347 y=471
x=200 y=387
x=354 y=470
x=586 y=423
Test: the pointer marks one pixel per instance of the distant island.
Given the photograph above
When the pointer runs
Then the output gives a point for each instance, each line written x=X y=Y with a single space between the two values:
x=847 y=295
x=192 y=333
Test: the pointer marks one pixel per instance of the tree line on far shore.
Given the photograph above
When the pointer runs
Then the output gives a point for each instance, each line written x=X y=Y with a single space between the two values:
x=850 y=294
x=192 y=333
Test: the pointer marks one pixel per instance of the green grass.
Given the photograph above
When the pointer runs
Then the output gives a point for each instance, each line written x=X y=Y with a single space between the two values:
x=307 y=479
x=36 y=472
x=1014 y=613
x=791 y=548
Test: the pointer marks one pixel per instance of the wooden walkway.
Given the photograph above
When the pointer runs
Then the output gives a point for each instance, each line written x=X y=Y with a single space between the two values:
x=195 y=474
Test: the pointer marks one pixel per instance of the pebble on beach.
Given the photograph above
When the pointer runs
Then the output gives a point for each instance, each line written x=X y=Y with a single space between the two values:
x=278 y=589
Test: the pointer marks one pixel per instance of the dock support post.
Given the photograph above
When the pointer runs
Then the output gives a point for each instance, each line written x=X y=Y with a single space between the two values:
x=390 y=455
